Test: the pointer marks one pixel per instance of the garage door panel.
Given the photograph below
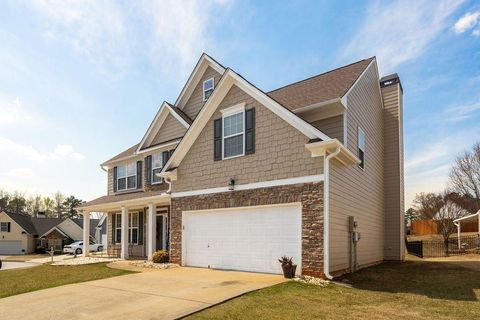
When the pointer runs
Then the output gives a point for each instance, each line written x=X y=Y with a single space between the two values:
x=250 y=239
x=10 y=247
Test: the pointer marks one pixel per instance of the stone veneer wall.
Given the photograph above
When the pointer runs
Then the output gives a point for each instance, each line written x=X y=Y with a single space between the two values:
x=310 y=195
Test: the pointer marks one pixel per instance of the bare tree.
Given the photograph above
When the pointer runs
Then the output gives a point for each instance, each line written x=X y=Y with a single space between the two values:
x=442 y=208
x=34 y=205
x=465 y=175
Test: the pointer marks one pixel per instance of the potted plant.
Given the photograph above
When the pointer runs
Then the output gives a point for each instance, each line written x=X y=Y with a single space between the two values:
x=288 y=267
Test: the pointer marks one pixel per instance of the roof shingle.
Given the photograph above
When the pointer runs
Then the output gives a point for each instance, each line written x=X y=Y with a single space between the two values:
x=323 y=87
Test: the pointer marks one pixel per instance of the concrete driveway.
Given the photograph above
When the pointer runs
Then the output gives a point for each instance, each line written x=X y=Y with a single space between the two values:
x=8 y=265
x=159 y=294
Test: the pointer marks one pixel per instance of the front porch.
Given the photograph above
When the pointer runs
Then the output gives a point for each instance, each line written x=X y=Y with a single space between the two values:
x=137 y=223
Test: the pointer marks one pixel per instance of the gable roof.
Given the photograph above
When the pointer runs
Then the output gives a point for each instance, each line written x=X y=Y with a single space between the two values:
x=165 y=109
x=93 y=225
x=230 y=78
x=124 y=154
x=24 y=221
x=203 y=63
x=321 y=88
x=43 y=225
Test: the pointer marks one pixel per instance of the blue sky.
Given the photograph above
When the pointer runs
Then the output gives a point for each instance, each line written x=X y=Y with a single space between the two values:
x=81 y=81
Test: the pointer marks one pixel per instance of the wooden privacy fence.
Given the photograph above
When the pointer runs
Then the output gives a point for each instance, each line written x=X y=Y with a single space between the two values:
x=438 y=248
x=424 y=227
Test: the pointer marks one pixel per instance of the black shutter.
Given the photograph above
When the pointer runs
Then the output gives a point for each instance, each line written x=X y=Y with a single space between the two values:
x=140 y=227
x=8 y=226
x=170 y=153
x=250 y=131
x=148 y=164
x=139 y=174
x=114 y=179
x=217 y=139
x=114 y=236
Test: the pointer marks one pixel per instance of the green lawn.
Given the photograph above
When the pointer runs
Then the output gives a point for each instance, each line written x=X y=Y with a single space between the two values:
x=412 y=290
x=18 y=281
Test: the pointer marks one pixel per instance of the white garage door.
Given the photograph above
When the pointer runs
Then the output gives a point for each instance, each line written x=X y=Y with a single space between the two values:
x=10 y=247
x=248 y=239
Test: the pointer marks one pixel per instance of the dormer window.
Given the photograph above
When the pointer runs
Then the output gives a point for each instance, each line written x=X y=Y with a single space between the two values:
x=127 y=177
x=208 y=86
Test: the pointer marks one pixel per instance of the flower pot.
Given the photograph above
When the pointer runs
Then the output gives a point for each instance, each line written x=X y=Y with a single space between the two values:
x=289 y=270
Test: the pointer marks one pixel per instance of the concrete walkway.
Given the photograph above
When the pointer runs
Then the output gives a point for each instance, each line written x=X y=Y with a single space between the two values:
x=8 y=265
x=159 y=294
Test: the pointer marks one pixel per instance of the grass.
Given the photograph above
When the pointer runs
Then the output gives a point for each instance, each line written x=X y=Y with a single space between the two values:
x=18 y=281
x=411 y=290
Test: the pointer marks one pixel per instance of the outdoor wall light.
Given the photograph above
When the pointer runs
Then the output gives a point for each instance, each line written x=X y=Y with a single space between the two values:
x=231 y=184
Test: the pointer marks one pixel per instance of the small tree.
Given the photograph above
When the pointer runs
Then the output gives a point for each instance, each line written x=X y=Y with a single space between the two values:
x=410 y=216
x=48 y=206
x=442 y=208
x=4 y=200
x=70 y=204
x=58 y=207
x=34 y=205
x=17 y=203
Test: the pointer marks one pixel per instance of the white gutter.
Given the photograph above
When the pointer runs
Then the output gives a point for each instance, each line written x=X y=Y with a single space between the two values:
x=326 y=218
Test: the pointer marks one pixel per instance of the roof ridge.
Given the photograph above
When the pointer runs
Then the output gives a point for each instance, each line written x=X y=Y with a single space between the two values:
x=320 y=74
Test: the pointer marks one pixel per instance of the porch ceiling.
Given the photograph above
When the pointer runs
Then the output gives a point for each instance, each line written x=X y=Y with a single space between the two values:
x=132 y=199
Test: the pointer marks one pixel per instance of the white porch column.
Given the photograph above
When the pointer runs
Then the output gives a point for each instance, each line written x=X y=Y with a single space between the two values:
x=86 y=233
x=151 y=227
x=124 y=233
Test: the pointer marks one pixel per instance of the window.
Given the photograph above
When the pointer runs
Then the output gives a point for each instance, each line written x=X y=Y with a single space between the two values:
x=4 y=226
x=157 y=163
x=127 y=177
x=361 y=148
x=208 y=86
x=133 y=228
x=118 y=228
x=233 y=134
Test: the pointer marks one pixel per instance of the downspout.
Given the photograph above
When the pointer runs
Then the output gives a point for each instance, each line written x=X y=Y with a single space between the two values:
x=326 y=218
x=169 y=190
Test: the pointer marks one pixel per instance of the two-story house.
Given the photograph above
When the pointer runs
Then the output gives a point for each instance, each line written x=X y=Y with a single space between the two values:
x=232 y=177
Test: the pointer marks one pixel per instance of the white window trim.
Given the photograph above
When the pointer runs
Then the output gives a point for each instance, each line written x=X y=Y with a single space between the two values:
x=203 y=87
x=118 y=217
x=127 y=176
x=153 y=168
x=130 y=227
x=3 y=224
x=236 y=109
x=363 y=149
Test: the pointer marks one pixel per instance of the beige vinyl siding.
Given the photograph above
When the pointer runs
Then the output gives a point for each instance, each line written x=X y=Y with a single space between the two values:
x=394 y=191
x=279 y=152
x=16 y=234
x=110 y=181
x=195 y=102
x=332 y=127
x=170 y=129
x=356 y=192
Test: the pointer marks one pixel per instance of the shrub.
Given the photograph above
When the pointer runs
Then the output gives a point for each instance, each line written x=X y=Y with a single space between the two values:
x=161 y=256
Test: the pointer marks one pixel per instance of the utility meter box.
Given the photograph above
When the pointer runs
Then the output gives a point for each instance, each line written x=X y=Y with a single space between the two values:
x=352 y=223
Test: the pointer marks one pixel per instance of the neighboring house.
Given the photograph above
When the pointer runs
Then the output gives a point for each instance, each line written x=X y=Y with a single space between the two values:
x=23 y=234
x=232 y=177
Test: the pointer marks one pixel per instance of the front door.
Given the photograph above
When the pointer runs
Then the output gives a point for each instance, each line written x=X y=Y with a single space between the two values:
x=161 y=233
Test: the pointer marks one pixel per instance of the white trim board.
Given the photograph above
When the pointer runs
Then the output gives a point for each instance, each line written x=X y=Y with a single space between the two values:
x=286 y=204
x=254 y=185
